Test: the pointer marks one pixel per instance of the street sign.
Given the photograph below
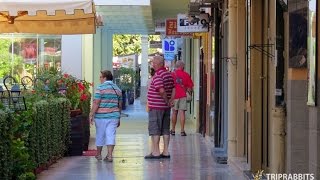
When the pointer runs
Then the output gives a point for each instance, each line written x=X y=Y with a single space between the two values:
x=169 y=48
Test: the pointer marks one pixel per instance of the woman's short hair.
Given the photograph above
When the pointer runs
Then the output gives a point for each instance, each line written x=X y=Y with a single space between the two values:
x=107 y=74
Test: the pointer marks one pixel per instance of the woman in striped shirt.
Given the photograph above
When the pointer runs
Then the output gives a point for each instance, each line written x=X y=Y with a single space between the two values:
x=106 y=110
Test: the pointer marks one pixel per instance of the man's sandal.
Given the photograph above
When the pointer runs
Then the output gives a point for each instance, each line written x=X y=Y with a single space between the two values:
x=172 y=133
x=151 y=156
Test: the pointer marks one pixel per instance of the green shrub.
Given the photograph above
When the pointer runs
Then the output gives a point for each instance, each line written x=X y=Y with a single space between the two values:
x=5 y=145
x=59 y=126
x=41 y=126
x=15 y=156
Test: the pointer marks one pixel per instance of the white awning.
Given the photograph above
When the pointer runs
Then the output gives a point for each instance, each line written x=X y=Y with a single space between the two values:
x=47 y=16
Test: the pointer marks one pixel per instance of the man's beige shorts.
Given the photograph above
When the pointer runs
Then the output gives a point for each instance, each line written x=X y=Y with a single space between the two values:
x=180 y=104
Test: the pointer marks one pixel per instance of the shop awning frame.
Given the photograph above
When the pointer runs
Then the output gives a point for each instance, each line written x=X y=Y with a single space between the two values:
x=47 y=17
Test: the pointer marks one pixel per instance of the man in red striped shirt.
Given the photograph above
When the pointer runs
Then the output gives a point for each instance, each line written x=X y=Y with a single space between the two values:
x=159 y=94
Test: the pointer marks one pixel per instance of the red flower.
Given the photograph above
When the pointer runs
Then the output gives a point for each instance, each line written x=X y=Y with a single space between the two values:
x=65 y=75
x=81 y=86
x=83 y=97
x=60 y=81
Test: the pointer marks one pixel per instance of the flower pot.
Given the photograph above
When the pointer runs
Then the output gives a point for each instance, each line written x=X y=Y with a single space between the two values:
x=75 y=112
x=76 y=136
x=124 y=100
x=130 y=95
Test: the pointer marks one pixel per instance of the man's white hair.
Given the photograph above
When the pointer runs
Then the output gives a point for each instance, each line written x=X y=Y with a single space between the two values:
x=158 y=59
x=179 y=64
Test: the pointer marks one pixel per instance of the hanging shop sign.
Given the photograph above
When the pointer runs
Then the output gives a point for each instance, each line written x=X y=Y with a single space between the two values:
x=169 y=48
x=160 y=26
x=171 y=28
x=155 y=44
x=193 y=24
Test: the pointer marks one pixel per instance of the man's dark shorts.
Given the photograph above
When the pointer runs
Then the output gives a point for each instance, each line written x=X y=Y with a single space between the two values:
x=159 y=122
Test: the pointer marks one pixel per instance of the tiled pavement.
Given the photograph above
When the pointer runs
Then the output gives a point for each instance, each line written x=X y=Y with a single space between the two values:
x=191 y=157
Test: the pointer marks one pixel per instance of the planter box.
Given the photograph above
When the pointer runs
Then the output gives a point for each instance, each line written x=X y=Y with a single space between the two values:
x=79 y=135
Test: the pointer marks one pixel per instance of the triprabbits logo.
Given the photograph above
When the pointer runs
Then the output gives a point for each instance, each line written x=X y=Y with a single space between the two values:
x=274 y=176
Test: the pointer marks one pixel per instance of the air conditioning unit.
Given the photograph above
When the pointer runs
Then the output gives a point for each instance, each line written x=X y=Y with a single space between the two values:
x=194 y=9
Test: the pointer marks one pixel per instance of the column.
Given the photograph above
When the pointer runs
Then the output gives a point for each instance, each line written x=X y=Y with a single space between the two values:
x=107 y=50
x=232 y=79
x=87 y=58
x=241 y=59
x=97 y=46
x=195 y=74
x=277 y=143
x=255 y=87
x=144 y=68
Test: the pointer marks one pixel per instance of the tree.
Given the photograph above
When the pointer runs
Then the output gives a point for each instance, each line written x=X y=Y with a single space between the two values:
x=8 y=65
x=130 y=44
x=153 y=38
x=126 y=44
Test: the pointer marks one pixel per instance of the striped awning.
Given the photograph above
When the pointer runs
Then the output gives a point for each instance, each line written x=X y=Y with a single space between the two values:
x=47 y=16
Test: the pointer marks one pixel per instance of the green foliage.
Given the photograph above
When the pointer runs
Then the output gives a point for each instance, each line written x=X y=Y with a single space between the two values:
x=33 y=137
x=5 y=145
x=27 y=176
x=22 y=161
x=62 y=118
x=11 y=63
x=41 y=121
x=153 y=38
x=76 y=91
x=15 y=158
x=51 y=129
x=21 y=158
x=126 y=44
x=127 y=78
x=130 y=44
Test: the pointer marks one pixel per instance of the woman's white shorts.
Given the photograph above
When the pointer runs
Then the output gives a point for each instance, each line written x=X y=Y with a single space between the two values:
x=106 y=131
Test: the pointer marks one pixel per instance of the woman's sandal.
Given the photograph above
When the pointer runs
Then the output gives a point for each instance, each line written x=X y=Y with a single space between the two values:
x=98 y=157
x=108 y=158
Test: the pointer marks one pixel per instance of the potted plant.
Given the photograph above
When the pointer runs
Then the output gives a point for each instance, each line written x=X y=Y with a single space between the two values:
x=77 y=92
x=127 y=80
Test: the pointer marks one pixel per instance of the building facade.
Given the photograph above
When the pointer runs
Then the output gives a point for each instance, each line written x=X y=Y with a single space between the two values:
x=266 y=115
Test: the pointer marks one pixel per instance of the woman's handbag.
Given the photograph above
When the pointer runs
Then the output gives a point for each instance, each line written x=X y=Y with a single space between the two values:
x=189 y=96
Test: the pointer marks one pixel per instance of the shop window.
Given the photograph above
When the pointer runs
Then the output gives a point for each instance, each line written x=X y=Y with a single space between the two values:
x=24 y=54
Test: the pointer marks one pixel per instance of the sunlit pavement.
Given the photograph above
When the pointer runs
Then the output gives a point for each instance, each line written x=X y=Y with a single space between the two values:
x=190 y=157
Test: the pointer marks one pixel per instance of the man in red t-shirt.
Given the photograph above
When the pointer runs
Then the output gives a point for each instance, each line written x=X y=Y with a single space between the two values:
x=182 y=84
